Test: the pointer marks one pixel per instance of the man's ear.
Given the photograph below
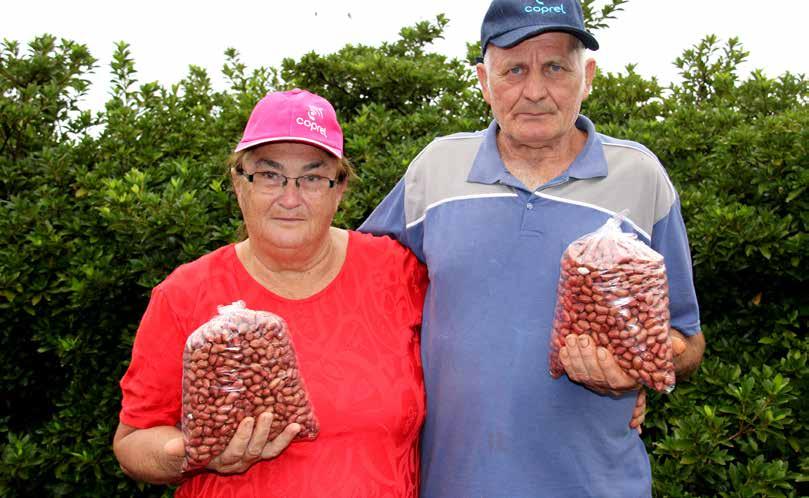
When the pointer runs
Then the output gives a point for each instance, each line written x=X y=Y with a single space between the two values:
x=483 y=80
x=589 y=74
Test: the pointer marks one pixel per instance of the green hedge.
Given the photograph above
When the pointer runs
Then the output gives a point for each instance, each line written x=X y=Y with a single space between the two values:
x=96 y=208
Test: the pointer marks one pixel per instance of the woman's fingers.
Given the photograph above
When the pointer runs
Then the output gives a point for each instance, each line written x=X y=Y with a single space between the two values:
x=259 y=437
x=237 y=446
x=274 y=448
x=249 y=444
x=175 y=447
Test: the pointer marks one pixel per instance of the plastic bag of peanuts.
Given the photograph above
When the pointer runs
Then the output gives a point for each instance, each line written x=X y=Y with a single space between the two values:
x=613 y=288
x=239 y=364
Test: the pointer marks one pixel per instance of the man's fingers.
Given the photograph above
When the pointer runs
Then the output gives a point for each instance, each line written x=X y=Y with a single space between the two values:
x=678 y=345
x=640 y=403
x=615 y=376
x=639 y=412
x=572 y=360
x=592 y=368
x=274 y=448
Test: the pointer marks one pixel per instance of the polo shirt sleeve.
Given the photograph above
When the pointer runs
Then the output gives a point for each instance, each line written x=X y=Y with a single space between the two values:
x=152 y=385
x=389 y=218
x=669 y=238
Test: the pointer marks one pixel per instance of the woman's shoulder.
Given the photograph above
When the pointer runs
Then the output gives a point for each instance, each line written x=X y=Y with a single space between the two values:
x=201 y=271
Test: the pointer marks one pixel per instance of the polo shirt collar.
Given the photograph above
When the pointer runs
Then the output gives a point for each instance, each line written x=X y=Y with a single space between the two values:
x=488 y=167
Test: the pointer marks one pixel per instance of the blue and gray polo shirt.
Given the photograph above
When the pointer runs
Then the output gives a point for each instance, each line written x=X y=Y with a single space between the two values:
x=497 y=424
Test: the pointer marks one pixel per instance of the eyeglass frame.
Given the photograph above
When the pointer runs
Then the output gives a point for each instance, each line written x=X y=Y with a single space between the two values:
x=249 y=176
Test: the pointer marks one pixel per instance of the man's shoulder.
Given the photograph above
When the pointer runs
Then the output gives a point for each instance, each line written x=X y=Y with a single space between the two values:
x=450 y=146
x=629 y=148
x=445 y=157
x=459 y=139
x=627 y=157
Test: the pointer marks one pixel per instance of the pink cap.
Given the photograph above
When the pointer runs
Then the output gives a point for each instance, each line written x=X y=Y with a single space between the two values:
x=294 y=116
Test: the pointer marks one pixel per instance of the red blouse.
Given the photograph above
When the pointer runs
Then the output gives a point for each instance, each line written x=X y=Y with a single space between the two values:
x=358 y=350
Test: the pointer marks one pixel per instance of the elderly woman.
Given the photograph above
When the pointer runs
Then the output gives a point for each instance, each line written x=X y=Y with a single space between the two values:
x=353 y=305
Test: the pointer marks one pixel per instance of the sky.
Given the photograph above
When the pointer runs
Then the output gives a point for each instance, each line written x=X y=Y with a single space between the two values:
x=166 y=36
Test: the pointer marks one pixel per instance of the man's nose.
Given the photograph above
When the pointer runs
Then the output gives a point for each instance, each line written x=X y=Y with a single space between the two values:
x=535 y=86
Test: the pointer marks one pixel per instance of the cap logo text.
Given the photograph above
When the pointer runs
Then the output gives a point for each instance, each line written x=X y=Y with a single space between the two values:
x=312 y=114
x=541 y=8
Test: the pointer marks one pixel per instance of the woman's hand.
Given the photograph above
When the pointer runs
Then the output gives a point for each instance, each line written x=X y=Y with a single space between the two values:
x=248 y=445
x=156 y=454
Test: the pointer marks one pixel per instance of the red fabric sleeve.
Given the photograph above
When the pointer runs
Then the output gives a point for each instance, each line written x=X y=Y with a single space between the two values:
x=152 y=385
x=417 y=281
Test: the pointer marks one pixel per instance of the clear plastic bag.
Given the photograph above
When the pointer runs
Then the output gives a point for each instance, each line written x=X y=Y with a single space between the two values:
x=613 y=288
x=239 y=364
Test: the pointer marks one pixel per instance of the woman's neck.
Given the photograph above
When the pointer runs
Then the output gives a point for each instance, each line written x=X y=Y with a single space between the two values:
x=295 y=274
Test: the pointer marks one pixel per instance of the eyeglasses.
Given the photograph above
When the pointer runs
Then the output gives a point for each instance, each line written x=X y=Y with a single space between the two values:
x=270 y=181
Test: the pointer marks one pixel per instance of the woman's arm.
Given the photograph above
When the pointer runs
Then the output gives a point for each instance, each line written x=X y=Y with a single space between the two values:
x=156 y=454
x=151 y=455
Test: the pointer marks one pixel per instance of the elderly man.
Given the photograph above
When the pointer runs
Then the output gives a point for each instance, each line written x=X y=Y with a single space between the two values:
x=491 y=214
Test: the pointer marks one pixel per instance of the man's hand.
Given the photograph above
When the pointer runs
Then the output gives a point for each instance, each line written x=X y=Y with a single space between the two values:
x=594 y=367
x=639 y=413
x=247 y=446
x=687 y=352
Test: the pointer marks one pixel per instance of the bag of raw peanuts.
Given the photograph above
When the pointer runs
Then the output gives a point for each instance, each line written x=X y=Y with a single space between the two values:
x=613 y=288
x=239 y=364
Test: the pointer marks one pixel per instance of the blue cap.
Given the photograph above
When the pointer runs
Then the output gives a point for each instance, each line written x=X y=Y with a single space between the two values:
x=508 y=22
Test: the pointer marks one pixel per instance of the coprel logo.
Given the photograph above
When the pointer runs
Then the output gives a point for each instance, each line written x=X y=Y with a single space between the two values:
x=541 y=8
x=310 y=122
x=315 y=112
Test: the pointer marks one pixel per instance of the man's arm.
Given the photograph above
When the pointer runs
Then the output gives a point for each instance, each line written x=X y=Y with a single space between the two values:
x=388 y=218
x=688 y=351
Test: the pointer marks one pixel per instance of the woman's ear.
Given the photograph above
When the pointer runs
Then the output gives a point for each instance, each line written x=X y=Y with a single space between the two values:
x=238 y=187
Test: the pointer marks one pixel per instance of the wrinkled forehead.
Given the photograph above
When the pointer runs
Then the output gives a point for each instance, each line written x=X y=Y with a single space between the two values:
x=289 y=156
x=554 y=42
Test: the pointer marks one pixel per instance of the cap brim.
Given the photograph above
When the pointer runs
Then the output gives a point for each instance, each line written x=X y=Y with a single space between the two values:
x=515 y=36
x=331 y=150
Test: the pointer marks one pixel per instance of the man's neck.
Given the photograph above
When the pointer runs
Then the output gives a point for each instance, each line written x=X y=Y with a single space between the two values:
x=537 y=164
